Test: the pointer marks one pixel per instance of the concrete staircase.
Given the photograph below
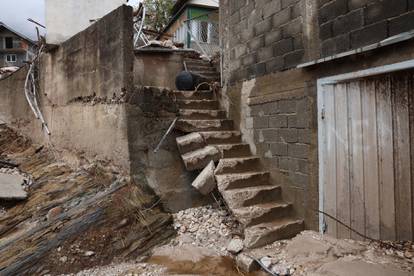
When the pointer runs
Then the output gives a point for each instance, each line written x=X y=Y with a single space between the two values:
x=240 y=176
x=203 y=68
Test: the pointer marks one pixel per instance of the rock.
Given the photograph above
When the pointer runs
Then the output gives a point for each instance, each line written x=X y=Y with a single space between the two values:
x=266 y=261
x=408 y=254
x=246 y=263
x=54 y=212
x=11 y=187
x=205 y=182
x=63 y=259
x=89 y=253
x=235 y=246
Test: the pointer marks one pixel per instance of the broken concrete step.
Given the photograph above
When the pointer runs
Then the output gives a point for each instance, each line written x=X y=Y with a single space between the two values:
x=242 y=180
x=190 y=142
x=234 y=150
x=203 y=125
x=199 y=159
x=193 y=95
x=11 y=187
x=252 y=195
x=238 y=165
x=221 y=137
x=267 y=233
x=198 y=104
x=261 y=213
x=202 y=114
x=205 y=182
x=198 y=140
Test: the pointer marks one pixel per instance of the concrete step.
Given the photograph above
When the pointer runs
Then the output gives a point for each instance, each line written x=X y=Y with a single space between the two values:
x=266 y=233
x=262 y=213
x=207 y=74
x=198 y=140
x=238 y=165
x=190 y=142
x=202 y=114
x=198 y=104
x=249 y=196
x=193 y=95
x=199 y=68
x=196 y=62
x=242 y=180
x=234 y=150
x=203 y=125
x=199 y=159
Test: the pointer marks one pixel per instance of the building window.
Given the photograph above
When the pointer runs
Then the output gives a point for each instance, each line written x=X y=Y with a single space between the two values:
x=11 y=58
x=9 y=42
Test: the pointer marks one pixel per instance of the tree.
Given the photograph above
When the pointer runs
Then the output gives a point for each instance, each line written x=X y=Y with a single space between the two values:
x=159 y=13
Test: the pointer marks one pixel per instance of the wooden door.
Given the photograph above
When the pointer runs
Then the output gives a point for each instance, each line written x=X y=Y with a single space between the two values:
x=366 y=156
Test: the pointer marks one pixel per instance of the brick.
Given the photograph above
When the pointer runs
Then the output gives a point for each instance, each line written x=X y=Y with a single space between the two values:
x=297 y=9
x=265 y=54
x=235 y=18
x=272 y=37
x=294 y=58
x=287 y=106
x=240 y=50
x=304 y=136
x=275 y=64
x=288 y=164
x=256 y=110
x=287 y=3
x=322 y=2
x=278 y=149
x=288 y=135
x=292 y=28
x=260 y=122
x=299 y=180
x=247 y=34
x=401 y=24
x=356 y=4
x=257 y=70
x=303 y=166
x=303 y=120
x=298 y=150
x=336 y=45
x=381 y=10
x=270 y=108
x=270 y=135
x=271 y=8
x=254 y=17
x=278 y=121
x=298 y=42
x=282 y=47
x=263 y=26
x=292 y=121
x=281 y=18
x=326 y=30
x=256 y=43
x=249 y=59
x=332 y=10
x=369 y=35
x=349 y=22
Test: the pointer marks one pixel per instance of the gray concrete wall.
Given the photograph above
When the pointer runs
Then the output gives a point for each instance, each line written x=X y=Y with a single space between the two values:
x=65 y=18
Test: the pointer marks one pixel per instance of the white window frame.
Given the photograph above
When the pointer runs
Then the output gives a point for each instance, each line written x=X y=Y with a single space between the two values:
x=6 y=57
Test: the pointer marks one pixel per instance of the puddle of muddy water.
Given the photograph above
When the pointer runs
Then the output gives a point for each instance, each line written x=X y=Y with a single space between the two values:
x=214 y=265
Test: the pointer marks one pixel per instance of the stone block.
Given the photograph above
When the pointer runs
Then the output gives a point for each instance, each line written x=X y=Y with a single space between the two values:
x=263 y=26
x=275 y=64
x=297 y=9
x=256 y=43
x=205 y=182
x=278 y=149
x=298 y=151
x=369 y=35
x=380 y=10
x=336 y=45
x=270 y=135
x=260 y=122
x=304 y=136
x=292 y=121
x=246 y=263
x=288 y=135
x=249 y=59
x=270 y=108
x=292 y=28
x=349 y=22
x=271 y=8
x=401 y=24
x=287 y=3
x=325 y=30
x=281 y=18
x=282 y=47
x=294 y=58
x=272 y=36
x=257 y=70
x=287 y=106
x=278 y=121
x=332 y=10
x=265 y=54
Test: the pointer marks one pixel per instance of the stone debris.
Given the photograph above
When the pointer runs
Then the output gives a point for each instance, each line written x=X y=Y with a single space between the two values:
x=235 y=246
x=12 y=186
x=245 y=263
x=205 y=182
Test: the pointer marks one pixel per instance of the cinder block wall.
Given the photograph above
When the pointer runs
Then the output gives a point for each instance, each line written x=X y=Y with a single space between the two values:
x=350 y=24
x=274 y=103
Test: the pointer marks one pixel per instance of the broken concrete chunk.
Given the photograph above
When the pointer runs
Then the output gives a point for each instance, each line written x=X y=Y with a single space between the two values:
x=235 y=246
x=246 y=263
x=11 y=187
x=205 y=182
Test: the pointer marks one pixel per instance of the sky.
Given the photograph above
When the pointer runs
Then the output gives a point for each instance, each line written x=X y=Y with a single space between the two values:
x=15 y=13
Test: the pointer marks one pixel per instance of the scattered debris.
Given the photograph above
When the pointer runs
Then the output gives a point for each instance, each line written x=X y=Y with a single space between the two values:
x=12 y=187
x=235 y=246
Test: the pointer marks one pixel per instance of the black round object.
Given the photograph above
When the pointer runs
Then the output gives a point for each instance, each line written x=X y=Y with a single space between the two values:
x=185 y=81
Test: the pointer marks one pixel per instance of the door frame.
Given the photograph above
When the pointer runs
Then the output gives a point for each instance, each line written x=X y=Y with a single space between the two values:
x=331 y=80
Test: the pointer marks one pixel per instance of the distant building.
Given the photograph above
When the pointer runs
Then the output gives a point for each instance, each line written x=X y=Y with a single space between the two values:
x=15 y=48
x=65 y=18
x=194 y=23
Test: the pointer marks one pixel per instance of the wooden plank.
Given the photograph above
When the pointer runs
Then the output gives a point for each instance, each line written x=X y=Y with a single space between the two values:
x=371 y=182
x=356 y=166
x=342 y=161
x=330 y=160
x=402 y=158
x=385 y=159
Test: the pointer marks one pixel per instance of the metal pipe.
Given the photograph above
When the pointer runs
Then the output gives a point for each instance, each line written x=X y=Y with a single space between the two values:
x=165 y=135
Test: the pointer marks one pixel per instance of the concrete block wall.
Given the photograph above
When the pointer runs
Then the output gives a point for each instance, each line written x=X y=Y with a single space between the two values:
x=264 y=36
x=350 y=24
